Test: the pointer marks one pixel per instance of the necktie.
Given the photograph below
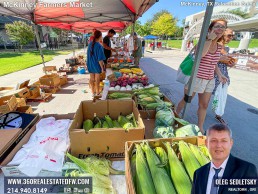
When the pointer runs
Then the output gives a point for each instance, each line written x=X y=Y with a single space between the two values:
x=214 y=188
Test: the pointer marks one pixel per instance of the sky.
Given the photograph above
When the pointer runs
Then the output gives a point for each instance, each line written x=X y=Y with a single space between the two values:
x=175 y=8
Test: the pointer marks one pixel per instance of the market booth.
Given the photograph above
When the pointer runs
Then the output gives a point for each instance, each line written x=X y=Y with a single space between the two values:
x=133 y=118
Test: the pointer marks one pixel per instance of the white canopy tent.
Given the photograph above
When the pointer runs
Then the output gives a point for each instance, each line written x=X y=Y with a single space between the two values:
x=248 y=25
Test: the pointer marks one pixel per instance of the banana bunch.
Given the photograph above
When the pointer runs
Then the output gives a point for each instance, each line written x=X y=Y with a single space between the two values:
x=125 y=71
x=137 y=71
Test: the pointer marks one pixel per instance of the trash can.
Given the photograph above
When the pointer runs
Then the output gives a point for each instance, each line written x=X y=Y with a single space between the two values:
x=152 y=45
x=159 y=44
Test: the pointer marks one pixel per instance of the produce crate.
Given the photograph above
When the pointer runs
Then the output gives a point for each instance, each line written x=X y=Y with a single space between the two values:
x=63 y=80
x=4 y=90
x=49 y=68
x=51 y=90
x=129 y=147
x=25 y=109
x=52 y=80
x=34 y=91
x=21 y=102
x=101 y=142
x=7 y=104
x=46 y=98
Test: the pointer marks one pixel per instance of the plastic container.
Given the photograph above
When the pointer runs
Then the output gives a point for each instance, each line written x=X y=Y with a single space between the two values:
x=81 y=70
x=105 y=89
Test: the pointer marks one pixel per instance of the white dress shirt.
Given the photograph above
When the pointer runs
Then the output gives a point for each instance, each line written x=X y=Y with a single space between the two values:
x=212 y=173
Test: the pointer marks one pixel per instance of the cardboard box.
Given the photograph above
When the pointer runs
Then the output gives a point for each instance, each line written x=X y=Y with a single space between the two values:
x=21 y=102
x=63 y=80
x=34 y=91
x=129 y=147
x=7 y=137
x=107 y=143
x=7 y=104
x=150 y=114
x=23 y=93
x=14 y=142
x=51 y=90
x=13 y=170
x=4 y=90
x=52 y=80
x=25 y=109
x=49 y=68
x=20 y=93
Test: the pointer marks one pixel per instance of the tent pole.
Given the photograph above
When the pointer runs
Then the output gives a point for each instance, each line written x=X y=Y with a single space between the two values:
x=198 y=55
x=40 y=49
x=72 y=44
x=84 y=42
x=133 y=28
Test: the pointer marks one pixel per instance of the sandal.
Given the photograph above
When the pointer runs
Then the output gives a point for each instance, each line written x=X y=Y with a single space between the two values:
x=220 y=119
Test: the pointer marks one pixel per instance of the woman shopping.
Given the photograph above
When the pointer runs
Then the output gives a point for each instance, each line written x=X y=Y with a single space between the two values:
x=95 y=62
x=205 y=82
x=224 y=62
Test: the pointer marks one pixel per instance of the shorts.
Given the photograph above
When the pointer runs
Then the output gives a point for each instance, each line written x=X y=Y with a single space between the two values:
x=203 y=85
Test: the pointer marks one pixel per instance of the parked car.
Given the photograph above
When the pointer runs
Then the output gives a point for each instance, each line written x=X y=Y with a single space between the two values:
x=8 y=45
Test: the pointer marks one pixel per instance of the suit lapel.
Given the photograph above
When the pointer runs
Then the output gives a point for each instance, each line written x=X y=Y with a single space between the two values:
x=205 y=176
x=230 y=167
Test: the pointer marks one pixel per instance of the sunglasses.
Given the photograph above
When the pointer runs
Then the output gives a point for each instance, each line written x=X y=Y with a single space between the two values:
x=230 y=36
x=221 y=27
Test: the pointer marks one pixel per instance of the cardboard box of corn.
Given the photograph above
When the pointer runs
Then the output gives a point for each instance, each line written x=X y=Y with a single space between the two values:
x=163 y=165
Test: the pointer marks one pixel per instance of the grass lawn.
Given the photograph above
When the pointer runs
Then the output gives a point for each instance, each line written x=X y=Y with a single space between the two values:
x=14 y=61
x=232 y=44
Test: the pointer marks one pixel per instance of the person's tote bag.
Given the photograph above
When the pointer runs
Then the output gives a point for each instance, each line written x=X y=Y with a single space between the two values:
x=220 y=99
x=185 y=69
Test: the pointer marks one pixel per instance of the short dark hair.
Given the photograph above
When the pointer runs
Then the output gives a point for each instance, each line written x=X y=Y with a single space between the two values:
x=112 y=31
x=219 y=127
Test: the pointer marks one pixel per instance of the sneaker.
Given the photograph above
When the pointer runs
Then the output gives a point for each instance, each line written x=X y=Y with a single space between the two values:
x=220 y=119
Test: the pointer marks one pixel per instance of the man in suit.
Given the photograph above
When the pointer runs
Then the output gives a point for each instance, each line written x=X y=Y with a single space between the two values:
x=219 y=142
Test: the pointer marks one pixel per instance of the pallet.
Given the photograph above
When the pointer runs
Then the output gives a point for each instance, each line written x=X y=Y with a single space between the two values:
x=47 y=97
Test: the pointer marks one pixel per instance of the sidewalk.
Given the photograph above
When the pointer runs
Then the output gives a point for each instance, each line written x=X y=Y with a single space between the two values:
x=66 y=100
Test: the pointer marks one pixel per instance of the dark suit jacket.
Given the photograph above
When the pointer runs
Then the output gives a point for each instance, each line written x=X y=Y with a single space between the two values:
x=235 y=168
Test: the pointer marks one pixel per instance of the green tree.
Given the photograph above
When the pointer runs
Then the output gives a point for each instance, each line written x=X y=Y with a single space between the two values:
x=137 y=28
x=146 y=28
x=20 y=32
x=165 y=25
x=240 y=13
x=158 y=14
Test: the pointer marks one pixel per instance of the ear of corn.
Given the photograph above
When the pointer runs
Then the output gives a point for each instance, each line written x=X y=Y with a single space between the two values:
x=119 y=95
x=98 y=125
x=163 y=157
x=205 y=151
x=161 y=180
x=116 y=124
x=198 y=154
x=124 y=122
x=87 y=125
x=178 y=174
x=109 y=121
x=133 y=168
x=190 y=162
x=105 y=125
x=144 y=182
